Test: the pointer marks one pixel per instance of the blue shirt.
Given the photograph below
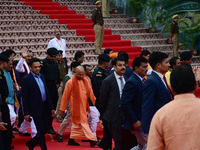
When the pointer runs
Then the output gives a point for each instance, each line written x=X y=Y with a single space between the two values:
x=9 y=82
x=41 y=86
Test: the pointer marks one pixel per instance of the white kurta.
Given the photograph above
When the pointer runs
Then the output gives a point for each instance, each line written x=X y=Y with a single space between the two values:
x=58 y=44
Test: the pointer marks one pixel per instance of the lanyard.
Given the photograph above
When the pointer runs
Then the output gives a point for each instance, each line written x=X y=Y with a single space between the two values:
x=58 y=42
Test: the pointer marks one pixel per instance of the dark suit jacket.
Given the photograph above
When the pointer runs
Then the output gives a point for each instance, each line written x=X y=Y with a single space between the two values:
x=110 y=98
x=31 y=96
x=155 y=96
x=131 y=101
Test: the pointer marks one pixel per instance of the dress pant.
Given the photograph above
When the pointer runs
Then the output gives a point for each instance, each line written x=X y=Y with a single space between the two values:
x=65 y=121
x=175 y=45
x=106 y=8
x=41 y=124
x=6 y=135
x=99 y=33
x=115 y=129
x=53 y=91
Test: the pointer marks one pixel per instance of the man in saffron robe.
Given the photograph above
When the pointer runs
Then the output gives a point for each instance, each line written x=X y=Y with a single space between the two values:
x=78 y=90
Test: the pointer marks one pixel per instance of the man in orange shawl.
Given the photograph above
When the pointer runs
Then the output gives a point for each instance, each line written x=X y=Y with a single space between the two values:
x=78 y=90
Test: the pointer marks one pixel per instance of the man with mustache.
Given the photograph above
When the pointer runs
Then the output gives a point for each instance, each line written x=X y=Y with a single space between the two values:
x=111 y=91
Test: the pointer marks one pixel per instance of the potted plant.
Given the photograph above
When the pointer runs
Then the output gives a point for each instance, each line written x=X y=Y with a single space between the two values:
x=153 y=15
x=189 y=34
x=135 y=5
x=114 y=10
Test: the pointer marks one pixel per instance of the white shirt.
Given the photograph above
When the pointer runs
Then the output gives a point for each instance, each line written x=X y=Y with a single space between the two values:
x=20 y=68
x=119 y=82
x=161 y=76
x=58 y=44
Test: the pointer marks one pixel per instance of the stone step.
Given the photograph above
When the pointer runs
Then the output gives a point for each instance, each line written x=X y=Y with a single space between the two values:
x=76 y=3
x=130 y=30
x=33 y=40
x=28 y=22
x=82 y=7
x=15 y=18
x=123 y=25
x=15 y=7
x=33 y=27
x=22 y=15
x=116 y=20
x=161 y=48
x=60 y=1
x=21 y=12
x=11 y=3
x=148 y=42
x=79 y=45
x=34 y=33
x=112 y=15
x=142 y=36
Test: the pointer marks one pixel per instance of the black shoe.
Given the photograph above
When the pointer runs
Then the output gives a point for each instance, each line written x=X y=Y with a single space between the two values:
x=13 y=136
x=85 y=140
x=12 y=147
x=24 y=134
x=15 y=130
x=59 y=138
x=29 y=146
x=93 y=143
x=51 y=131
x=72 y=142
x=100 y=145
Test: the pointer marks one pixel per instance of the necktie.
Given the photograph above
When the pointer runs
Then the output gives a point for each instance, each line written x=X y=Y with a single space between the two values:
x=171 y=95
x=143 y=79
x=122 y=83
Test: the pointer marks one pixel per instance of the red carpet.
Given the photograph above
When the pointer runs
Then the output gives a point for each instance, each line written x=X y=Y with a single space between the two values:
x=52 y=144
x=82 y=25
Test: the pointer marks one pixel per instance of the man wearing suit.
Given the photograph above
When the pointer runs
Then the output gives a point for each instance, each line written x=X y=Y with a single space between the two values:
x=36 y=103
x=111 y=91
x=131 y=101
x=156 y=91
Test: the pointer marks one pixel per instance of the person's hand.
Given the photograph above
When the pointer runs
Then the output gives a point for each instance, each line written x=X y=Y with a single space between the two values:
x=27 y=117
x=137 y=125
x=24 y=53
x=53 y=113
x=2 y=128
x=7 y=102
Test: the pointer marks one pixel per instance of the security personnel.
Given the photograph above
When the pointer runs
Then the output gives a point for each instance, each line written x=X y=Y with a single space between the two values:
x=63 y=70
x=98 y=23
x=174 y=32
x=98 y=76
x=5 y=135
x=49 y=68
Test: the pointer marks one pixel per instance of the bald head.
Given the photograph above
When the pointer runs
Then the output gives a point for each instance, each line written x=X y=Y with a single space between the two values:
x=80 y=72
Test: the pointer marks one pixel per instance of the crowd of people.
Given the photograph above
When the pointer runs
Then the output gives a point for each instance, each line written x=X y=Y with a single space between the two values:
x=137 y=100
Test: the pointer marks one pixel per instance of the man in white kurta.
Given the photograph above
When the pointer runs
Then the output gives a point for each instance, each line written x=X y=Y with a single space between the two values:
x=58 y=42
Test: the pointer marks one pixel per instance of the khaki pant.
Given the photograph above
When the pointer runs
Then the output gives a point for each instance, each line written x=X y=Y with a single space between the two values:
x=99 y=33
x=175 y=45
x=106 y=8
x=59 y=96
x=66 y=120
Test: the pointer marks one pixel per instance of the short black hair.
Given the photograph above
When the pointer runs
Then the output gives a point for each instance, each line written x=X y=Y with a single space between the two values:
x=15 y=62
x=9 y=52
x=157 y=57
x=115 y=60
x=74 y=64
x=182 y=79
x=34 y=59
x=85 y=66
x=30 y=51
x=107 y=51
x=78 y=54
x=172 y=61
x=125 y=55
x=144 y=53
x=186 y=55
x=137 y=62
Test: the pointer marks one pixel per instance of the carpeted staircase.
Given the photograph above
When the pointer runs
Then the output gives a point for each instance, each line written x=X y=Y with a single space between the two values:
x=30 y=23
